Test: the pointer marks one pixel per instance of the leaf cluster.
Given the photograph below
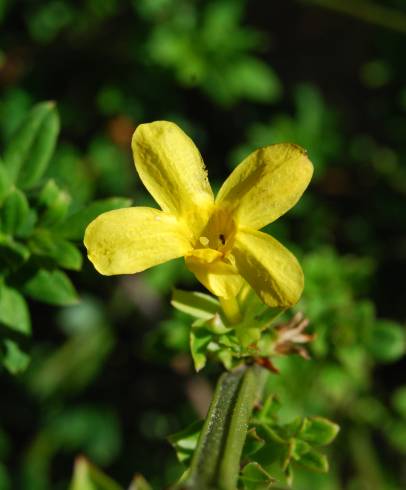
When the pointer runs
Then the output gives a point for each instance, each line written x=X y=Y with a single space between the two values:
x=39 y=231
x=212 y=336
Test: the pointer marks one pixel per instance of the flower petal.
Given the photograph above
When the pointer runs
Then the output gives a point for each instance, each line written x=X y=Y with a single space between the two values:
x=266 y=184
x=220 y=278
x=172 y=169
x=129 y=240
x=271 y=270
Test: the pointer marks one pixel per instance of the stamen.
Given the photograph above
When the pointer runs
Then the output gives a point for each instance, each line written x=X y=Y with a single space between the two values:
x=222 y=238
x=204 y=241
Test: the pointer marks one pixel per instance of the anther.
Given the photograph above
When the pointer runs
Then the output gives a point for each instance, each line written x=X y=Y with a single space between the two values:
x=204 y=241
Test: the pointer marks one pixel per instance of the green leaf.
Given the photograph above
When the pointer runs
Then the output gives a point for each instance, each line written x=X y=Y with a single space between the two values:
x=65 y=254
x=315 y=461
x=139 y=483
x=12 y=253
x=74 y=364
x=185 y=441
x=51 y=286
x=13 y=358
x=215 y=325
x=253 y=443
x=88 y=477
x=399 y=401
x=31 y=147
x=298 y=448
x=253 y=79
x=318 y=431
x=5 y=182
x=269 y=409
x=199 y=340
x=73 y=228
x=14 y=212
x=55 y=202
x=396 y=433
x=248 y=334
x=386 y=341
x=198 y=305
x=254 y=477
x=14 y=312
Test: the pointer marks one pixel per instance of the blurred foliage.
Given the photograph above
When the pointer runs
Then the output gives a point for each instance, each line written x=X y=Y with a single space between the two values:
x=37 y=226
x=187 y=40
x=235 y=75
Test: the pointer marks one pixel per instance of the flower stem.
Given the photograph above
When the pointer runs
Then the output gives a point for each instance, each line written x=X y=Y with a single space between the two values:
x=216 y=460
x=231 y=309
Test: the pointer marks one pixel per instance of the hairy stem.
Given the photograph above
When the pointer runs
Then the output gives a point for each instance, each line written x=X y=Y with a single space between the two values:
x=216 y=461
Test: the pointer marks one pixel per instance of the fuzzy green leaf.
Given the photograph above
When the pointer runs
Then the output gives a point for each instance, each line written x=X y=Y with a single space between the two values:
x=14 y=312
x=51 y=286
x=318 y=431
x=31 y=147
x=73 y=228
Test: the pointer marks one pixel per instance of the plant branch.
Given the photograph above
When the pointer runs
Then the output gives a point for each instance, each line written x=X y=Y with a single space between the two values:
x=216 y=461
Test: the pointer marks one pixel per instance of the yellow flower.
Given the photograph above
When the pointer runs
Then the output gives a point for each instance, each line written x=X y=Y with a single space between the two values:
x=219 y=237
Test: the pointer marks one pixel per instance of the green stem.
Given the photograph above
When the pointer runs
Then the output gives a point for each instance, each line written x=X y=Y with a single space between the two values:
x=371 y=12
x=231 y=309
x=216 y=461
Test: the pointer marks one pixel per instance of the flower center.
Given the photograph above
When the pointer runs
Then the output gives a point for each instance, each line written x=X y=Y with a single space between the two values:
x=218 y=234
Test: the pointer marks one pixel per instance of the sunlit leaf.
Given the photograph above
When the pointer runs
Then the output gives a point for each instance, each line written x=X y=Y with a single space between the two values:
x=30 y=149
x=13 y=357
x=139 y=483
x=54 y=203
x=199 y=340
x=198 y=305
x=88 y=477
x=14 y=212
x=185 y=441
x=51 y=286
x=14 y=312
